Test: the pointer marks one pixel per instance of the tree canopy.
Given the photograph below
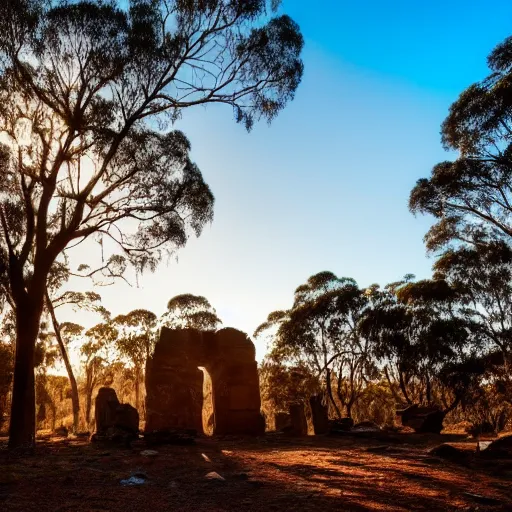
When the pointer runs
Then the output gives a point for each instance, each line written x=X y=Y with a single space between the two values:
x=191 y=311
x=87 y=89
x=471 y=196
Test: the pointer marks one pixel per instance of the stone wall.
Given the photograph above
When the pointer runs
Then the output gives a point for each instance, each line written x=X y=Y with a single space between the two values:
x=174 y=384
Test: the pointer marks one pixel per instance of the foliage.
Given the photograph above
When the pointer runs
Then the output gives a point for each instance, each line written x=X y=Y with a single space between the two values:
x=426 y=346
x=320 y=333
x=96 y=356
x=471 y=196
x=6 y=373
x=83 y=85
x=135 y=341
x=191 y=311
x=282 y=385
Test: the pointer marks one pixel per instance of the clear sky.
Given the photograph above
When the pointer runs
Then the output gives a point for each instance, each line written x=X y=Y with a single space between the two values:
x=325 y=187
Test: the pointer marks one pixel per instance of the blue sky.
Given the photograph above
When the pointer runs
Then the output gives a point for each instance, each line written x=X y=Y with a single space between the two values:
x=325 y=187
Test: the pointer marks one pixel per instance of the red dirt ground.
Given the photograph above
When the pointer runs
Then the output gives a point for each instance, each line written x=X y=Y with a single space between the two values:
x=271 y=473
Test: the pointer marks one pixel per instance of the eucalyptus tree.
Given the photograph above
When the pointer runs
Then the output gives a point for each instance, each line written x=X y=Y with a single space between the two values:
x=136 y=339
x=96 y=353
x=482 y=276
x=6 y=371
x=66 y=332
x=320 y=331
x=281 y=385
x=423 y=341
x=83 y=87
x=471 y=196
x=189 y=311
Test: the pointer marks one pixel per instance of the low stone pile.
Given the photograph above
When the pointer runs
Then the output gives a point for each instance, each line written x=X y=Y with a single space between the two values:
x=422 y=419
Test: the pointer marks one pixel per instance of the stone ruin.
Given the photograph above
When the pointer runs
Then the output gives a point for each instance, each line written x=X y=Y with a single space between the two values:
x=422 y=419
x=299 y=423
x=294 y=422
x=174 y=382
x=319 y=414
x=114 y=421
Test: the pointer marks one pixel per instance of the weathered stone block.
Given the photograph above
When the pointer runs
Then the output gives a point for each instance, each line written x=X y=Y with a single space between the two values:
x=174 y=383
x=113 y=419
x=422 y=419
x=105 y=407
x=319 y=414
x=299 y=424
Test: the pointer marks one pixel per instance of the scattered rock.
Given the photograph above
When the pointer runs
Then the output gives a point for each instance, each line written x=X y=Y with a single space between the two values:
x=149 y=453
x=133 y=480
x=213 y=475
x=499 y=448
x=447 y=451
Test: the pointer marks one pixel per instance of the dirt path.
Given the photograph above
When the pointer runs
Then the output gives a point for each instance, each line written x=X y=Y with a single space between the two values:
x=272 y=473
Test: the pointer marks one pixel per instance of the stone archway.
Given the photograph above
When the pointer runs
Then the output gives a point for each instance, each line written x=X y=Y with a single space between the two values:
x=174 y=383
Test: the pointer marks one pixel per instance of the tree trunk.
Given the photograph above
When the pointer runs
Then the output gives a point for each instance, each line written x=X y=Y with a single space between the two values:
x=22 y=429
x=137 y=388
x=329 y=392
x=428 y=392
x=403 y=388
x=349 y=409
x=75 y=399
x=88 y=395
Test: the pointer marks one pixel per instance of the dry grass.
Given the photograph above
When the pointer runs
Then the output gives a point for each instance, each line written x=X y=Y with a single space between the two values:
x=271 y=473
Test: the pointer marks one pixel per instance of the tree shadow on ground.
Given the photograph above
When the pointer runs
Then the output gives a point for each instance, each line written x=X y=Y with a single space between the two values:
x=307 y=474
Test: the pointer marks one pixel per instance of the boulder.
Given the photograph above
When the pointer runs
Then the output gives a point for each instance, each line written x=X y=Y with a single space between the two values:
x=422 y=419
x=115 y=422
x=499 y=448
x=319 y=414
x=449 y=452
x=105 y=407
x=340 y=426
x=126 y=418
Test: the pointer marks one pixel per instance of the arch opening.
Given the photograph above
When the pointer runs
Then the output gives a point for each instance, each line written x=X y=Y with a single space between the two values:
x=208 y=412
